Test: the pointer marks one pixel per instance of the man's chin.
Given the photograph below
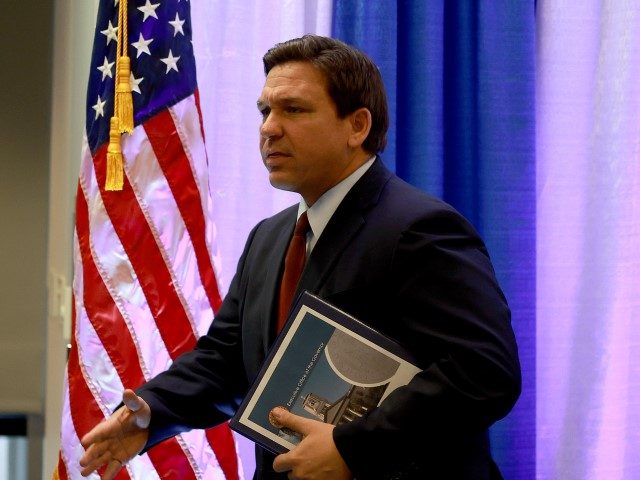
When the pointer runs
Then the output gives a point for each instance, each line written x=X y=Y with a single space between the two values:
x=280 y=183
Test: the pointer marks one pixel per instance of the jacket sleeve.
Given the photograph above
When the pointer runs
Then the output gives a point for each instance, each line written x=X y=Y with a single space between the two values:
x=444 y=304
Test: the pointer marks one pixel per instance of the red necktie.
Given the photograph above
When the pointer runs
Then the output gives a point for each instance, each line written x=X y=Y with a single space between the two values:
x=293 y=266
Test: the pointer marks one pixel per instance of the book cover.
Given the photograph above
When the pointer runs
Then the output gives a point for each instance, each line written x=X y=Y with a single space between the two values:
x=325 y=365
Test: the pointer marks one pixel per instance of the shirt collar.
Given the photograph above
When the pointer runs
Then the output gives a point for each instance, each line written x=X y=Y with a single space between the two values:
x=323 y=209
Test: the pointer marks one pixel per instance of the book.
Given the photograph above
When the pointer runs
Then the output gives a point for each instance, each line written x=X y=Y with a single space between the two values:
x=325 y=365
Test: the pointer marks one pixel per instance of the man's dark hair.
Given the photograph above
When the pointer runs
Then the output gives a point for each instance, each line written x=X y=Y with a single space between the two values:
x=353 y=80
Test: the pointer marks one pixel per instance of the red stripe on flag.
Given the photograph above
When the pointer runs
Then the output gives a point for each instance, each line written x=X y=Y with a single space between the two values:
x=85 y=412
x=169 y=460
x=177 y=170
x=144 y=254
x=173 y=160
x=221 y=440
x=61 y=470
x=196 y=96
x=102 y=311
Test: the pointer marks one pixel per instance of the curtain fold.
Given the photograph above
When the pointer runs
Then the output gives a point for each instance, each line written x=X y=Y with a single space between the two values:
x=375 y=25
x=460 y=78
x=588 y=301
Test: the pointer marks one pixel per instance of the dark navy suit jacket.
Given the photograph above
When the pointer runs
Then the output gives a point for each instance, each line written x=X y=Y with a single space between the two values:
x=413 y=268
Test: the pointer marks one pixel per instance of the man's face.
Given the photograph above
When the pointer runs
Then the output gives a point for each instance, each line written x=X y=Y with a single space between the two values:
x=304 y=144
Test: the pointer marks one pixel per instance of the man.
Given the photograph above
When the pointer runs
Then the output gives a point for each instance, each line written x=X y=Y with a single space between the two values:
x=407 y=264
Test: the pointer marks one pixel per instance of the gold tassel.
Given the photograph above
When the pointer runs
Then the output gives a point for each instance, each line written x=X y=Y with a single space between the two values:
x=122 y=120
x=115 y=162
x=124 y=98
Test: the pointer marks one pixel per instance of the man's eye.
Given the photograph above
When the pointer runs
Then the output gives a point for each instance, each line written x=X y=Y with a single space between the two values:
x=292 y=109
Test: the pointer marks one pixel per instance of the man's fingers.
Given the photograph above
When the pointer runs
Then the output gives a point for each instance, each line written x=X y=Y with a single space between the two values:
x=118 y=438
x=92 y=454
x=88 y=460
x=113 y=467
x=97 y=434
x=94 y=458
x=280 y=417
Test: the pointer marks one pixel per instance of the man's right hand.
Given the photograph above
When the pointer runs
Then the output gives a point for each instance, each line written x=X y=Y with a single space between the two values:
x=118 y=439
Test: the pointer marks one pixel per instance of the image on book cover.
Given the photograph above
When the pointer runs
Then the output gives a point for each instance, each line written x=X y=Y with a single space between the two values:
x=328 y=367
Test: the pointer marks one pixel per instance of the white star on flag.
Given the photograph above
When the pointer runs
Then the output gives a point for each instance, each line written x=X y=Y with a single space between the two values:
x=142 y=45
x=111 y=33
x=149 y=10
x=177 y=25
x=135 y=83
x=171 y=62
x=106 y=69
x=99 y=107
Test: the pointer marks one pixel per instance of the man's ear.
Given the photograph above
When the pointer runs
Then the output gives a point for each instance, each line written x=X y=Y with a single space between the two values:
x=360 y=121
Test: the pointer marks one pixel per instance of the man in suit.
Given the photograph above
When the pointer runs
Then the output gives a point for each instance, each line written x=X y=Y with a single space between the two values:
x=405 y=263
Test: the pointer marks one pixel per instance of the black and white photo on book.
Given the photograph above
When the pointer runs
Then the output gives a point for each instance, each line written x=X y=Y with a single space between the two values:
x=325 y=365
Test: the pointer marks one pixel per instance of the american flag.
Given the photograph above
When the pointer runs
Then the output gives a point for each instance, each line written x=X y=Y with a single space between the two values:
x=144 y=277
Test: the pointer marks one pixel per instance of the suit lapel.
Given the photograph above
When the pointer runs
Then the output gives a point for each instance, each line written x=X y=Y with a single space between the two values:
x=322 y=261
x=347 y=220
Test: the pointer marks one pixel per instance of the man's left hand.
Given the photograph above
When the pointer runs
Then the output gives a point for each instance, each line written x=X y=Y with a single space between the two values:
x=316 y=456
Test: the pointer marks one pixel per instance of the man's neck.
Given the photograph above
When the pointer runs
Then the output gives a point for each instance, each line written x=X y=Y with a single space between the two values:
x=359 y=158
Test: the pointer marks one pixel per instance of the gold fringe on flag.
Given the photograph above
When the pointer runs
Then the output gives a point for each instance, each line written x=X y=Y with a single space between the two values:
x=122 y=120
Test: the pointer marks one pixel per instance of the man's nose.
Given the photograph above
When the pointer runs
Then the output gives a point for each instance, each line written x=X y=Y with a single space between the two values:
x=270 y=126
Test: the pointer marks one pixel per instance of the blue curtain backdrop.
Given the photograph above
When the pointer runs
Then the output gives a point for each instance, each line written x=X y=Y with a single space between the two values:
x=461 y=77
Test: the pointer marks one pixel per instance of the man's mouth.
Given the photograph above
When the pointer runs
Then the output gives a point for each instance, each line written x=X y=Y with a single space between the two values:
x=276 y=154
x=273 y=159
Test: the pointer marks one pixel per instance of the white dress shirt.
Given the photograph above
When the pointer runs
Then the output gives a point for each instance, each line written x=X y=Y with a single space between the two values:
x=323 y=209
